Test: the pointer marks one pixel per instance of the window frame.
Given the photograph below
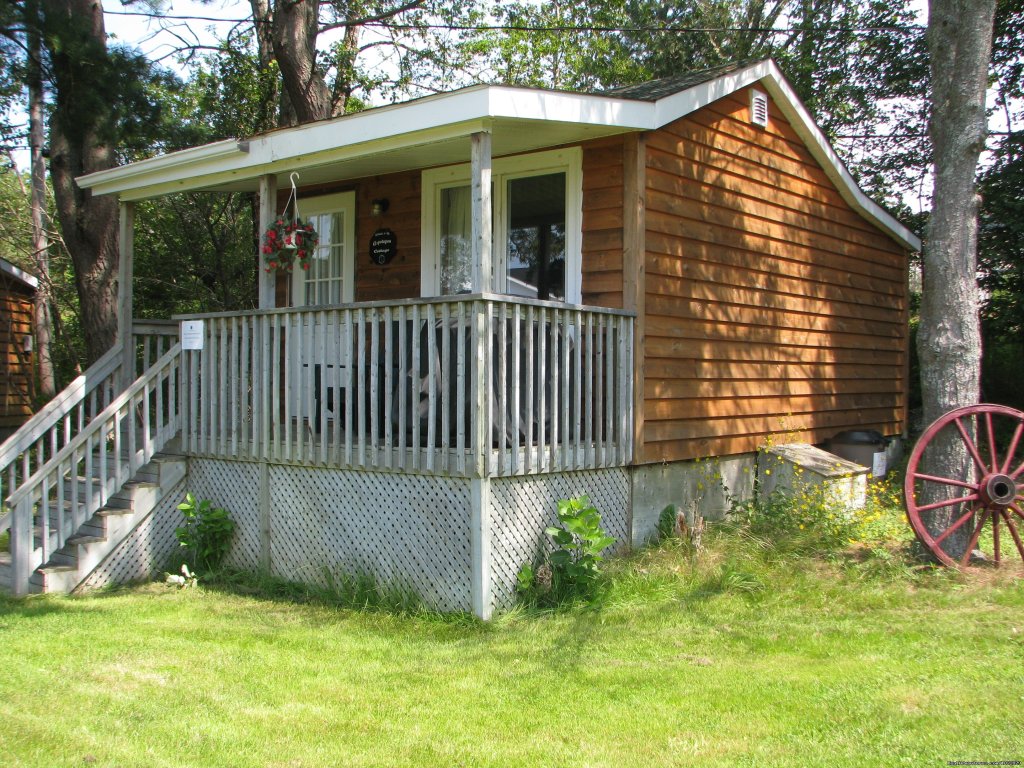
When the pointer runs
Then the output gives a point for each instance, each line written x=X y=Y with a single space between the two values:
x=343 y=203
x=568 y=160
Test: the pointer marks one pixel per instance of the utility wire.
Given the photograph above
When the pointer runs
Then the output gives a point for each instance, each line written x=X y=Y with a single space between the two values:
x=908 y=28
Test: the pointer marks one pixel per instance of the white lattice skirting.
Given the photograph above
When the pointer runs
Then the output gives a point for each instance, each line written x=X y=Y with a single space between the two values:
x=408 y=531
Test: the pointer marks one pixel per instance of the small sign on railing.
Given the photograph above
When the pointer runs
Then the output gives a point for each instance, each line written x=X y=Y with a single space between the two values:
x=192 y=334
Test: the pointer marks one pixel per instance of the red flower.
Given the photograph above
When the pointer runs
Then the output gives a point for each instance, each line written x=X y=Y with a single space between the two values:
x=305 y=265
x=273 y=265
x=302 y=254
x=267 y=249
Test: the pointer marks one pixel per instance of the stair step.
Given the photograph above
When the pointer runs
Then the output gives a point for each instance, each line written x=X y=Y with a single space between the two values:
x=82 y=538
x=113 y=511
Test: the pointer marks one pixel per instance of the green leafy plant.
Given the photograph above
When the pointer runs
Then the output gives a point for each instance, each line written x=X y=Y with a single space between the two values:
x=206 y=534
x=668 y=523
x=570 y=570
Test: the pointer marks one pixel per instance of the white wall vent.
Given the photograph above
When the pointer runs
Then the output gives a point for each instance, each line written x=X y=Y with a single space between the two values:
x=759 y=108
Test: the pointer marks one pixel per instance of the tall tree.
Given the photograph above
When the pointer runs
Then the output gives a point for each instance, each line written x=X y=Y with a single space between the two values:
x=98 y=98
x=949 y=339
x=42 y=303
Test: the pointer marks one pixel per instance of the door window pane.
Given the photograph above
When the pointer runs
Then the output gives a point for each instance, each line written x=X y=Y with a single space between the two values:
x=536 y=236
x=456 y=241
x=324 y=280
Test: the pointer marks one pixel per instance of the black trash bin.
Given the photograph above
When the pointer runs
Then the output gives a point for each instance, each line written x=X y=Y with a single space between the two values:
x=861 y=446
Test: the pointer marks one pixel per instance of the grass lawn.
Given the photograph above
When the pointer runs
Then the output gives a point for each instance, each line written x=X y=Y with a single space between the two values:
x=760 y=653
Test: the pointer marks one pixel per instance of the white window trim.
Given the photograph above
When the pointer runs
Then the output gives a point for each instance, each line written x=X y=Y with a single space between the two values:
x=568 y=161
x=344 y=203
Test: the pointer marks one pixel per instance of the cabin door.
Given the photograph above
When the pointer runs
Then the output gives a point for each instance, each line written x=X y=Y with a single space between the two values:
x=328 y=281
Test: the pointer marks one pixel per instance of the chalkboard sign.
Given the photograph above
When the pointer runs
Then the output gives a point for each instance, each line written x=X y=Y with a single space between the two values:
x=383 y=246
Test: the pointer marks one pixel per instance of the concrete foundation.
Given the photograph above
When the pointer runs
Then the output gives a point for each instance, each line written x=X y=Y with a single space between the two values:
x=710 y=486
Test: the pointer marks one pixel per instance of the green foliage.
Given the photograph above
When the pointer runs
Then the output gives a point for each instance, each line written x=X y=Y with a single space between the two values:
x=206 y=534
x=570 y=570
x=811 y=519
x=668 y=522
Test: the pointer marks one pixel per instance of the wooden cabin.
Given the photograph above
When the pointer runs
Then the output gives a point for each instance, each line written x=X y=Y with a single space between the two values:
x=519 y=295
x=17 y=296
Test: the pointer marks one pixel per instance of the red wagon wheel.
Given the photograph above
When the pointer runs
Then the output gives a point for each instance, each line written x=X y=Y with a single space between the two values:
x=990 y=499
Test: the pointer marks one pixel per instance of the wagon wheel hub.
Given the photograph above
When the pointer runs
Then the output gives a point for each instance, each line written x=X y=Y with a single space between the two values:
x=998 y=489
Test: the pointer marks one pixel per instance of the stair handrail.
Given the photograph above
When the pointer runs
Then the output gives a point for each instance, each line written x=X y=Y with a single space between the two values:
x=24 y=503
x=26 y=450
x=53 y=425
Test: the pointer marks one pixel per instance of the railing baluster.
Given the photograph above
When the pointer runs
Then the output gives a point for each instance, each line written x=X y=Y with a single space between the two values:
x=361 y=386
x=446 y=381
x=500 y=400
x=389 y=386
x=324 y=386
x=516 y=351
x=530 y=392
x=542 y=404
x=350 y=394
x=577 y=457
x=431 y=324
x=416 y=387
x=589 y=399
x=460 y=392
x=404 y=388
x=375 y=365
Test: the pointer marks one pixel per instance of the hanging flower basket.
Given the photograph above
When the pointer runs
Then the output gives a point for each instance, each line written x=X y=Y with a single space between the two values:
x=290 y=241
x=289 y=244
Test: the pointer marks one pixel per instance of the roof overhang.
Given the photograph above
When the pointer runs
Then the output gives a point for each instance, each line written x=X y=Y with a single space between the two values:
x=19 y=274
x=435 y=131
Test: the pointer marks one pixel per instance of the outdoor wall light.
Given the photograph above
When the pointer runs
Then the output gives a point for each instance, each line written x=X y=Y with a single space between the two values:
x=379 y=206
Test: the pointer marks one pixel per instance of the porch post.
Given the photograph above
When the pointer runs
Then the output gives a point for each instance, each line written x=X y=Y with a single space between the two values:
x=483 y=281
x=268 y=210
x=125 y=272
x=480 y=546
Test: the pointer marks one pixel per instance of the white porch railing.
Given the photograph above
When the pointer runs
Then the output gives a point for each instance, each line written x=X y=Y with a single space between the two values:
x=79 y=479
x=73 y=409
x=469 y=386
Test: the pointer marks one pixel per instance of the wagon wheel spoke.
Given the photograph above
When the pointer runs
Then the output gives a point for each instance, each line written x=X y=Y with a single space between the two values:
x=956 y=525
x=944 y=480
x=1016 y=511
x=1013 y=532
x=974 y=537
x=995 y=537
x=1013 y=447
x=948 y=503
x=992 y=455
x=971 y=447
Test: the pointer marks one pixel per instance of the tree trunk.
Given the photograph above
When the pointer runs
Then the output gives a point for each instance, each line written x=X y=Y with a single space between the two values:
x=949 y=339
x=79 y=144
x=42 y=321
x=296 y=24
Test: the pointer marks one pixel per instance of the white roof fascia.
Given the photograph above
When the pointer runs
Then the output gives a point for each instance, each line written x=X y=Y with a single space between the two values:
x=176 y=162
x=376 y=130
x=19 y=274
x=266 y=156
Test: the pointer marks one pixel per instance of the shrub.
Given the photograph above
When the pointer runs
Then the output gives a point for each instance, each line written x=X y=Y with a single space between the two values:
x=570 y=570
x=206 y=534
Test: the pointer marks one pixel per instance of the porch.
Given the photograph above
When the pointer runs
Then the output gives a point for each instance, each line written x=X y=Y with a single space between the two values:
x=476 y=385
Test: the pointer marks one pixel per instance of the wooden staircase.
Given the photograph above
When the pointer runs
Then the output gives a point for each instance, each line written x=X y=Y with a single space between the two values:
x=89 y=546
x=81 y=480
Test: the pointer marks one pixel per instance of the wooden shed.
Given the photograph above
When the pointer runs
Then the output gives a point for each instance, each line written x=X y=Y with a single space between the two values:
x=518 y=295
x=17 y=294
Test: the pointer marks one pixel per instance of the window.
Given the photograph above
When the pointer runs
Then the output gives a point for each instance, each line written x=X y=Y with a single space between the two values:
x=330 y=275
x=537 y=222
